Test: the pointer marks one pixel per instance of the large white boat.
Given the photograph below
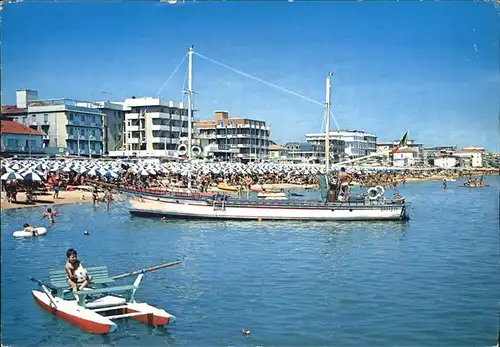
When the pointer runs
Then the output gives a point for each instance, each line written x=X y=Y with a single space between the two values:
x=371 y=206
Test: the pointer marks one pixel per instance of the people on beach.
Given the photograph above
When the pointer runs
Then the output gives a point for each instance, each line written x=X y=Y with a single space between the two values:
x=29 y=229
x=77 y=276
x=51 y=214
x=444 y=183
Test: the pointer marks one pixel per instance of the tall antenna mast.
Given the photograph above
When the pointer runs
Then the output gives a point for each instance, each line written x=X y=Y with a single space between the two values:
x=327 y=123
x=190 y=101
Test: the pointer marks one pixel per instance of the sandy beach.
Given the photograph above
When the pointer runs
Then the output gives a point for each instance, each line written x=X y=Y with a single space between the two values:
x=65 y=197
x=83 y=196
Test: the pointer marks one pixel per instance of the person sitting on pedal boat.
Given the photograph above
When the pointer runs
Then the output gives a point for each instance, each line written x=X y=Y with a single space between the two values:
x=77 y=276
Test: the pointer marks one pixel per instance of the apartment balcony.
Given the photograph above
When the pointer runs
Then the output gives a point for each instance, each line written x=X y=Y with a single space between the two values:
x=84 y=124
x=132 y=128
x=132 y=140
x=131 y=116
x=75 y=137
x=206 y=136
x=26 y=150
x=161 y=140
x=160 y=127
x=161 y=115
x=177 y=129
x=84 y=138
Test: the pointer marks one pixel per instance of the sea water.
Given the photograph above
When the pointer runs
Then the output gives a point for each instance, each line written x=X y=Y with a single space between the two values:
x=431 y=281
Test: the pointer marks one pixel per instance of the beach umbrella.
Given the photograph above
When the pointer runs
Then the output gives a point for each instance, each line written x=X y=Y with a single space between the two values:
x=144 y=173
x=110 y=174
x=15 y=166
x=92 y=172
x=11 y=176
x=102 y=171
x=31 y=176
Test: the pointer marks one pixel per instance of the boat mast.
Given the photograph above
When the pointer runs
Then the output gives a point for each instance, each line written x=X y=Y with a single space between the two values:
x=189 y=109
x=190 y=101
x=327 y=124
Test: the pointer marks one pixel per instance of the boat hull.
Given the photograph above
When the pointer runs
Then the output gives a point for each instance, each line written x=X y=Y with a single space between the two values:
x=272 y=210
x=158 y=316
x=78 y=316
x=92 y=322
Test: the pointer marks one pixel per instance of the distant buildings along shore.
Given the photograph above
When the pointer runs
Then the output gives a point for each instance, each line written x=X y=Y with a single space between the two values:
x=151 y=127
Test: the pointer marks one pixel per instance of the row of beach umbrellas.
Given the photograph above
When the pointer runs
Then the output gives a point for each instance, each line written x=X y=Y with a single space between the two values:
x=36 y=169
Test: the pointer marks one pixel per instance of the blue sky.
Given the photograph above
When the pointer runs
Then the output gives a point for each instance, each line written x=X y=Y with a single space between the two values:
x=430 y=67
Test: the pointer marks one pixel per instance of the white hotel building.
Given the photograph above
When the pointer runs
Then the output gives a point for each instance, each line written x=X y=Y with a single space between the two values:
x=357 y=143
x=68 y=125
x=153 y=127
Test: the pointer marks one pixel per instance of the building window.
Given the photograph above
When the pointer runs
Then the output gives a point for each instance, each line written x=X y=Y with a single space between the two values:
x=46 y=117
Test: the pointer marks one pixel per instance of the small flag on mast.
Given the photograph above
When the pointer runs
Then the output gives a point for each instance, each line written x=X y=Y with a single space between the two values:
x=402 y=143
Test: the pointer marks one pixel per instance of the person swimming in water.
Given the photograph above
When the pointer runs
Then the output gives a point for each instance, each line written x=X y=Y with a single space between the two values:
x=51 y=214
x=29 y=229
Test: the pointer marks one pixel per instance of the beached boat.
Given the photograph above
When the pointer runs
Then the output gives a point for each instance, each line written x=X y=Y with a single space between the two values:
x=167 y=193
x=292 y=193
x=371 y=206
x=475 y=185
x=272 y=195
x=96 y=309
x=227 y=187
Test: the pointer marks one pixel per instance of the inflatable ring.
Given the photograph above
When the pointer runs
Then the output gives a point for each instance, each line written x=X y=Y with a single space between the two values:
x=380 y=190
x=373 y=193
x=196 y=151
x=182 y=149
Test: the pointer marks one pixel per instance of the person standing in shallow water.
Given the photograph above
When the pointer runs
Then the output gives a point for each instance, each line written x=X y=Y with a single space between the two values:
x=57 y=186
x=51 y=214
x=95 y=196
x=108 y=197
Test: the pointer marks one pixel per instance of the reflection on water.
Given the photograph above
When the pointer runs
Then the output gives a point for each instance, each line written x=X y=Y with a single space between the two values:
x=423 y=282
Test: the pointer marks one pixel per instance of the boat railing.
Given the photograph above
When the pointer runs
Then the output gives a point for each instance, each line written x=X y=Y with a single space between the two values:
x=164 y=192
